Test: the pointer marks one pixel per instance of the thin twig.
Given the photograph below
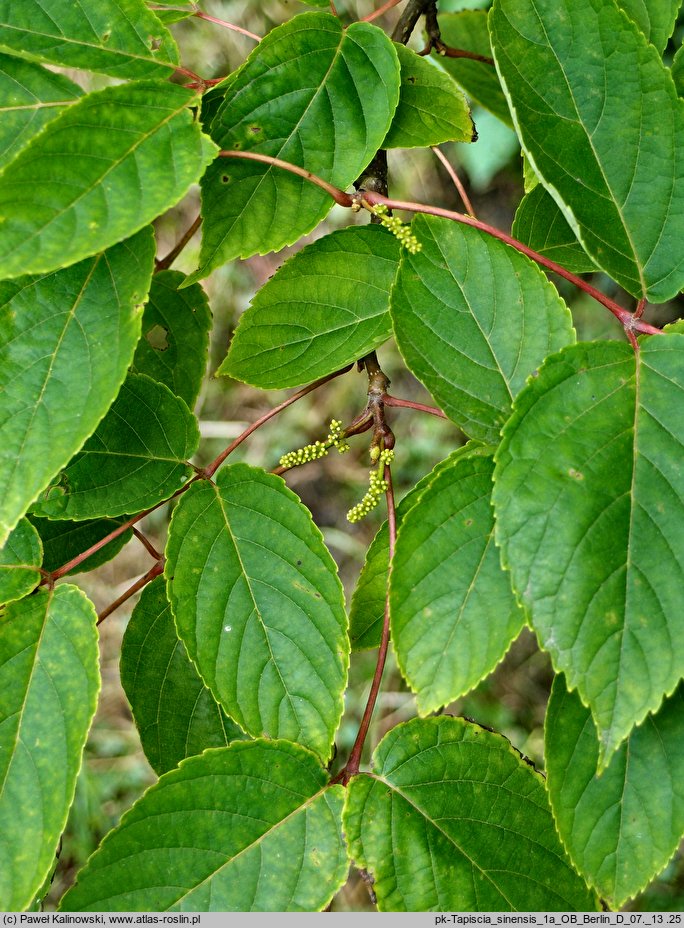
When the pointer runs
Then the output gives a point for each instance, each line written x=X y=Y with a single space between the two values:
x=409 y=404
x=343 y=199
x=380 y=11
x=166 y=262
x=147 y=544
x=351 y=768
x=216 y=463
x=222 y=22
x=455 y=180
x=155 y=571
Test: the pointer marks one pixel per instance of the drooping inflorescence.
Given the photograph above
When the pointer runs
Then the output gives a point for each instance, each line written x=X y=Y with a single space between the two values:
x=378 y=486
x=399 y=230
x=319 y=449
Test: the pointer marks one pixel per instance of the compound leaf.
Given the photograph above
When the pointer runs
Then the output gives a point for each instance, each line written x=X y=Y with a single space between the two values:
x=175 y=335
x=137 y=457
x=313 y=94
x=99 y=172
x=453 y=613
x=540 y=224
x=589 y=503
x=62 y=541
x=30 y=97
x=118 y=37
x=175 y=714
x=20 y=559
x=252 y=827
x=431 y=110
x=473 y=319
x=621 y=828
x=451 y=818
x=570 y=101
x=323 y=309
x=259 y=606
x=66 y=340
x=49 y=680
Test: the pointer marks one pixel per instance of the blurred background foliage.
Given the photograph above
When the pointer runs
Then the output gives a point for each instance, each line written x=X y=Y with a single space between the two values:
x=513 y=699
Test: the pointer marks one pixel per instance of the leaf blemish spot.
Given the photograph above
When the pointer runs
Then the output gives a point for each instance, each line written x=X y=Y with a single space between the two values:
x=576 y=474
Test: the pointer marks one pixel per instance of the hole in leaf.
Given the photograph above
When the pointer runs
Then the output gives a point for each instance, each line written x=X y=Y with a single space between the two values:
x=225 y=179
x=157 y=338
x=105 y=37
x=155 y=42
x=255 y=129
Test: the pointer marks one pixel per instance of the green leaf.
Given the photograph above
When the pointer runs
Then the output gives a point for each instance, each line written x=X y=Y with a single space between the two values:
x=570 y=102
x=589 y=502
x=30 y=97
x=118 y=37
x=175 y=714
x=453 y=613
x=367 y=608
x=248 y=828
x=313 y=94
x=540 y=224
x=655 y=18
x=101 y=171
x=677 y=70
x=175 y=343
x=621 y=828
x=49 y=680
x=20 y=559
x=452 y=818
x=66 y=340
x=431 y=107
x=259 y=606
x=473 y=318
x=137 y=457
x=467 y=30
x=323 y=309
x=64 y=540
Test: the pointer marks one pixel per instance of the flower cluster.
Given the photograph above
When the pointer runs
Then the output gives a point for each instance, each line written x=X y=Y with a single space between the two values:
x=319 y=449
x=378 y=486
x=398 y=229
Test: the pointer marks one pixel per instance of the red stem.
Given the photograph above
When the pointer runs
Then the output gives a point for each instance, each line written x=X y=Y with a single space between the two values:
x=147 y=544
x=155 y=571
x=162 y=264
x=343 y=199
x=409 y=404
x=380 y=10
x=455 y=180
x=351 y=768
x=222 y=22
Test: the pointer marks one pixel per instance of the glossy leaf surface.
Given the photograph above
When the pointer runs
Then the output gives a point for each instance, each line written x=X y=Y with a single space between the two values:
x=621 y=828
x=453 y=613
x=66 y=340
x=175 y=336
x=175 y=714
x=20 y=559
x=431 y=110
x=655 y=18
x=30 y=97
x=473 y=318
x=60 y=203
x=338 y=90
x=137 y=457
x=248 y=828
x=249 y=575
x=540 y=224
x=323 y=309
x=571 y=100
x=367 y=609
x=589 y=502
x=451 y=818
x=467 y=30
x=119 y=37
x=49 y=680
